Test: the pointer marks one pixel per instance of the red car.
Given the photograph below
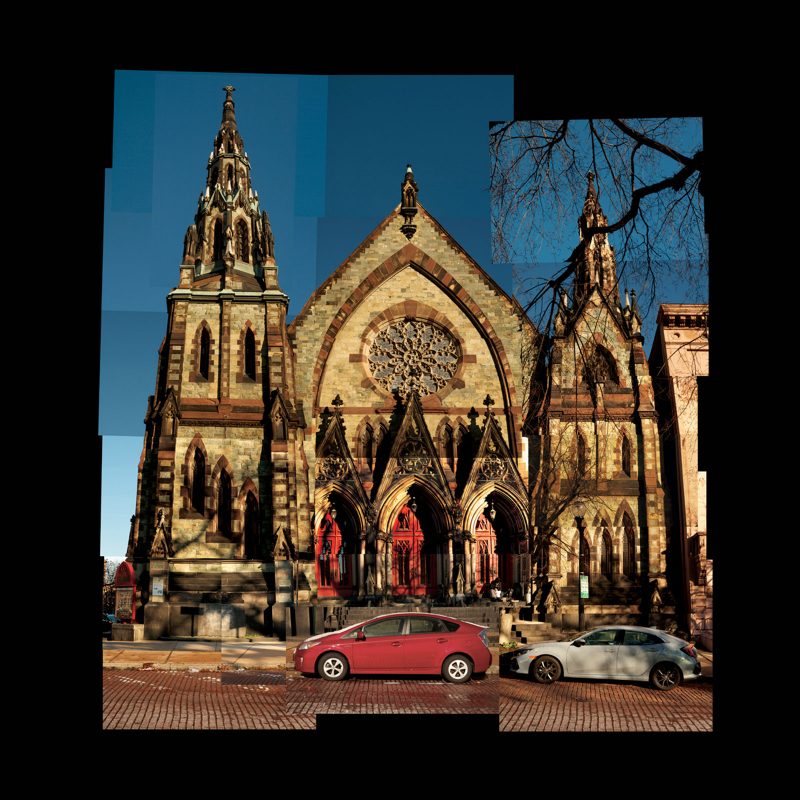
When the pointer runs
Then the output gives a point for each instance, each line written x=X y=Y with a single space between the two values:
x=398 y=644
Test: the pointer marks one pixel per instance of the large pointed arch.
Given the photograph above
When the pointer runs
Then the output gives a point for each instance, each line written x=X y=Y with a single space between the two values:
x=410 y=256
x=397 y=495
x=339 y=523
x=623 y=508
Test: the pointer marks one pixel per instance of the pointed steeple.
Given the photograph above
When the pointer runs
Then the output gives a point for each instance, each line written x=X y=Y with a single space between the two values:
x=597 y=266
x=230 y=231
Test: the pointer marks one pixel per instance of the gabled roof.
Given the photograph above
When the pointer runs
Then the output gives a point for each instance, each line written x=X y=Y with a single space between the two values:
x=413 y=451
x=513 y=305
x=334 y=447
x=494 y=462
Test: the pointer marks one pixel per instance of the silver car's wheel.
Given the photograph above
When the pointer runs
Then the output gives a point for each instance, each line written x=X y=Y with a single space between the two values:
x=546 y=669
x=457 y=669
x=665 y=677
x=333 y=667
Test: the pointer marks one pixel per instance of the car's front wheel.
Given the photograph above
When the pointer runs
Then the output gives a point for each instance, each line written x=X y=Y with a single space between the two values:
x=457 y=669
x=333 y=667
x=665 y=677
x=546 y=669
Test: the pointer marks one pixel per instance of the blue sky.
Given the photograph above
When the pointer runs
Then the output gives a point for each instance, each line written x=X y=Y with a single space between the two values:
x=328 y=155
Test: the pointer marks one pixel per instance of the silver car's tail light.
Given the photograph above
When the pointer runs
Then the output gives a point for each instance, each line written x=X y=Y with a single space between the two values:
x=689 y=650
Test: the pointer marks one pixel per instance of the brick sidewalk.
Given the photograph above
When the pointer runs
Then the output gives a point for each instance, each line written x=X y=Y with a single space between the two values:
x=172 y=700
x=387 y=695
x=571 y=705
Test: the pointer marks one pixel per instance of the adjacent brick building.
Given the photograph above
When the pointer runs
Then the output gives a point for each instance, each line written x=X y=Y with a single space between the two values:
x=678 y=359
x=392 y=442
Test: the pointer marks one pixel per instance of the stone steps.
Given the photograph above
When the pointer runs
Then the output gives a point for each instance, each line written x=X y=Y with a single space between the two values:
x=531 y=632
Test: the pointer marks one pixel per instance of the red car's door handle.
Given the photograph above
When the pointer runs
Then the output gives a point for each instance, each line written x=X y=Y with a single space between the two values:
x=441 y=641
x=395 y=644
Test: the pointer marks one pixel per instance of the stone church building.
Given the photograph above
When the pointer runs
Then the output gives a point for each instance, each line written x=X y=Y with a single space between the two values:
x=397 y=442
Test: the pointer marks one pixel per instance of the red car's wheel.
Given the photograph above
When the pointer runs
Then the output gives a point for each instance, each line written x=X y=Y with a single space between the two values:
x=457 y=669
x=333 y=667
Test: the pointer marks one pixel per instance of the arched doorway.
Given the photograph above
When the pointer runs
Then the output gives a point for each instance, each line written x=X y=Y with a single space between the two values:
x=418 y=564
x=499 y=532
x=336 y=552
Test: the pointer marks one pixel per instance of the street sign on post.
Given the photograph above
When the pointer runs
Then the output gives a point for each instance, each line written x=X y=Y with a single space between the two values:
x=584 y=587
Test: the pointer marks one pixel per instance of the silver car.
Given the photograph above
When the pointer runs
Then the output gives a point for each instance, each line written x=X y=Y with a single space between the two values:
x=618 y=652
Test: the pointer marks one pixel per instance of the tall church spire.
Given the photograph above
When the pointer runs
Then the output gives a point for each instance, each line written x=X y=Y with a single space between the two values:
x=230 y=232
x=598 y=266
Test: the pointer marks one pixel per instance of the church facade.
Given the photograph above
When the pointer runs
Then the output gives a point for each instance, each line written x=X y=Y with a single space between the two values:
x=396 y=442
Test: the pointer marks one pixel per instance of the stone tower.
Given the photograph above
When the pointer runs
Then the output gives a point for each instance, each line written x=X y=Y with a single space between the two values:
x=595 y=452
x=222 y=494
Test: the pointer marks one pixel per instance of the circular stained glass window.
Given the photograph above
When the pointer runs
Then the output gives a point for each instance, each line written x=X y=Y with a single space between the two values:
x=413 y=355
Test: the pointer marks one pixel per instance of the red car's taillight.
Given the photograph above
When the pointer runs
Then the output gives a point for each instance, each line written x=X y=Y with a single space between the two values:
x=689 y=650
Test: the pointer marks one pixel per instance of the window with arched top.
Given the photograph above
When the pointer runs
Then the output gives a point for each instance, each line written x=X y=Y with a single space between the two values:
x=242 y=241
x=219 y=243
x=205 y=353
x=230 y=175
x=582 y=465
x=626 y=455
x=585 y=561
x=224 y=504
x=599 y=366
x=251 y=526
x=250 y=354
x=449 y=447
x=369 y=446
x=629 y=548
x=199 y=481
x=607 y=555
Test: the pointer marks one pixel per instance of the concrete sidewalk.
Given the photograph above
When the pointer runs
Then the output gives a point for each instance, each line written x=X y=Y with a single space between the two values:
x=181 y=654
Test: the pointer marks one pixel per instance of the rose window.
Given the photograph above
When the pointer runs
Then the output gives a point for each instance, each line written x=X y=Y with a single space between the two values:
x=413 y=355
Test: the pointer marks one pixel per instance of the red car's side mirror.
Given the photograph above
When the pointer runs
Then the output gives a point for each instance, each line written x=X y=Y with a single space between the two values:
x=360 y=636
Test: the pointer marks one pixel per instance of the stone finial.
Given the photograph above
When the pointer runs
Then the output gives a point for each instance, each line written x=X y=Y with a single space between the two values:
x=488 y=401
x=228 y=114
x=337 y=401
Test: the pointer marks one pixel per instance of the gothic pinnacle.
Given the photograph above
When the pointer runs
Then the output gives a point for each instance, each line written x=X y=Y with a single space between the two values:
x=228 y=114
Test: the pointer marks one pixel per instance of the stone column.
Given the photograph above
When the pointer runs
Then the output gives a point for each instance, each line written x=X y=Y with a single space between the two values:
x=379 y=568
x=450 y=590
x=388 y=563
x=470 y=550
x=362 y=550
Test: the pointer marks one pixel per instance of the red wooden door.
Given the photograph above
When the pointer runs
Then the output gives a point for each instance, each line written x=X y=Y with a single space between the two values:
x=485 y=555
x=413 y=568
x=336 y=565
